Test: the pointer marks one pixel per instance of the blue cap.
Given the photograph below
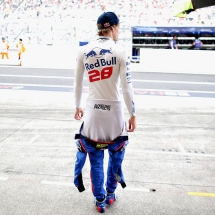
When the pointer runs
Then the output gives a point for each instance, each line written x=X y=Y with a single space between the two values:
x=107 y=19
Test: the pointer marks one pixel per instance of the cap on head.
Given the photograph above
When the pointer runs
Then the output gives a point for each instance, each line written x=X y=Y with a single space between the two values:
x=107 y=19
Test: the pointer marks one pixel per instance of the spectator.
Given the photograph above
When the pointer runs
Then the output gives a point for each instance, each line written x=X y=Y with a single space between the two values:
x=4 y=48
x=131 y=12
x=21 y=49
x=173 y=43
x=197 y=44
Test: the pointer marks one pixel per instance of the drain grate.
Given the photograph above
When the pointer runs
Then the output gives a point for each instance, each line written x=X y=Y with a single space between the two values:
x=170 y=150
x=195 y=151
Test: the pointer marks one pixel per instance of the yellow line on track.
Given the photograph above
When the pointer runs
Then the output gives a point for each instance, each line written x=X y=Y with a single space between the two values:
x=201 y=194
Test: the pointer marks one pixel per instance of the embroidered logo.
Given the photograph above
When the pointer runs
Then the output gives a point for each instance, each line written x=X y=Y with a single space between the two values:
x=106 y=24
x=90 y=54
x=101 y=146
x=97 y=52
x=102 y=107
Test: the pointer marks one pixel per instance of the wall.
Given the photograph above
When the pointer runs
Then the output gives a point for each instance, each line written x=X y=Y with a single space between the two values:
x=176 y=61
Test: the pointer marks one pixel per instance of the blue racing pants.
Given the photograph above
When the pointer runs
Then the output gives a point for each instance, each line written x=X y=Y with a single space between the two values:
x=95 y=150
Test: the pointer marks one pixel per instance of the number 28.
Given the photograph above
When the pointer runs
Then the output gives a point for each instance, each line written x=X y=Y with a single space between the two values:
x=96 y=75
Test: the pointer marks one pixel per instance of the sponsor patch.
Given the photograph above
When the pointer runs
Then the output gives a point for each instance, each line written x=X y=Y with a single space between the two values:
x=102 y=107
x=101 y=146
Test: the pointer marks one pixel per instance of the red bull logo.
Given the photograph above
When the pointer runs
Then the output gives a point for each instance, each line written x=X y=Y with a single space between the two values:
x=105 y=51
x=97 y=52
x=90 y=54
x=100 y=63
x=100 y=68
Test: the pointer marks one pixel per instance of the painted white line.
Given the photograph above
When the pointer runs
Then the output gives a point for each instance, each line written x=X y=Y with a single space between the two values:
x=37 y=76
x=134 y=189
x=166 y=90
x=33 y=138
x=58 y=183
x=64 y=67
x=181 y=148
x=170 y=153
x=133 y=80
x=3 y=178
x=72 y=185
x=36 y=85
x=142 y=89
x=173 y=82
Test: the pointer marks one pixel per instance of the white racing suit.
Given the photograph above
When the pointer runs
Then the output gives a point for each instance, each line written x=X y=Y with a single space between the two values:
x=105 y=63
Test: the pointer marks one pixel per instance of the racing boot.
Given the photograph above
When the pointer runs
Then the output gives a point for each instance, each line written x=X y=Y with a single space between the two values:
x=110 y=198
x=100 y=206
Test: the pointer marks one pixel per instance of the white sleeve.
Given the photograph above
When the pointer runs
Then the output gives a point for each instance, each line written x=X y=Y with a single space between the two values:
x=127 y=89
x=79 y=75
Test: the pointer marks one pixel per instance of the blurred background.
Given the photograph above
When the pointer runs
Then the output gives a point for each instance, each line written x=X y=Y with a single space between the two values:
x=55 y=22
x=67 y=24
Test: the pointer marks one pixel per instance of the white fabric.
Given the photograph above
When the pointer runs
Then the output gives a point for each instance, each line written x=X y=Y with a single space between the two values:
x=105 y=63
x=19 y=47
x=4 y=47
x=104 y=120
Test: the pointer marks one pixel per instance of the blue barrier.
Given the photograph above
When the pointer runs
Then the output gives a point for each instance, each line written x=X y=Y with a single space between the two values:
x=151 y=30
x=83 y=43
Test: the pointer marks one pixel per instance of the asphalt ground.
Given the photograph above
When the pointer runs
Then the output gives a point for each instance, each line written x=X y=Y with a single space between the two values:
x=169 y=164
x=144 y=83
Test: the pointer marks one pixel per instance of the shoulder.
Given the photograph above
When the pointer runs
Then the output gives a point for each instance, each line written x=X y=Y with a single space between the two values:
x=120 y=48
x=82 y=48
x=123 y=53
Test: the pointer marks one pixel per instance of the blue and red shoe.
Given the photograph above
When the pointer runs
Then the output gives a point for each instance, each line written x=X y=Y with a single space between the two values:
x=100 y=206
x=110 y=198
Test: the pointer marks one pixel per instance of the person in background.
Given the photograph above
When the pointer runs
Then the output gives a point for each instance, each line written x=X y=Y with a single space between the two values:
x=21 y=49
x=4 y=48
x=173 y=43
x=197 y=43
x=106 y=64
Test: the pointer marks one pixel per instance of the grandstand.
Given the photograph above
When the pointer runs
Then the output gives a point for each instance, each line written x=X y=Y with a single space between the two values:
x=52 y=22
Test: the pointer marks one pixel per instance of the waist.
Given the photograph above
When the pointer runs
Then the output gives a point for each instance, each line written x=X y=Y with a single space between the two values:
x=104 y=119
x=103 y=105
